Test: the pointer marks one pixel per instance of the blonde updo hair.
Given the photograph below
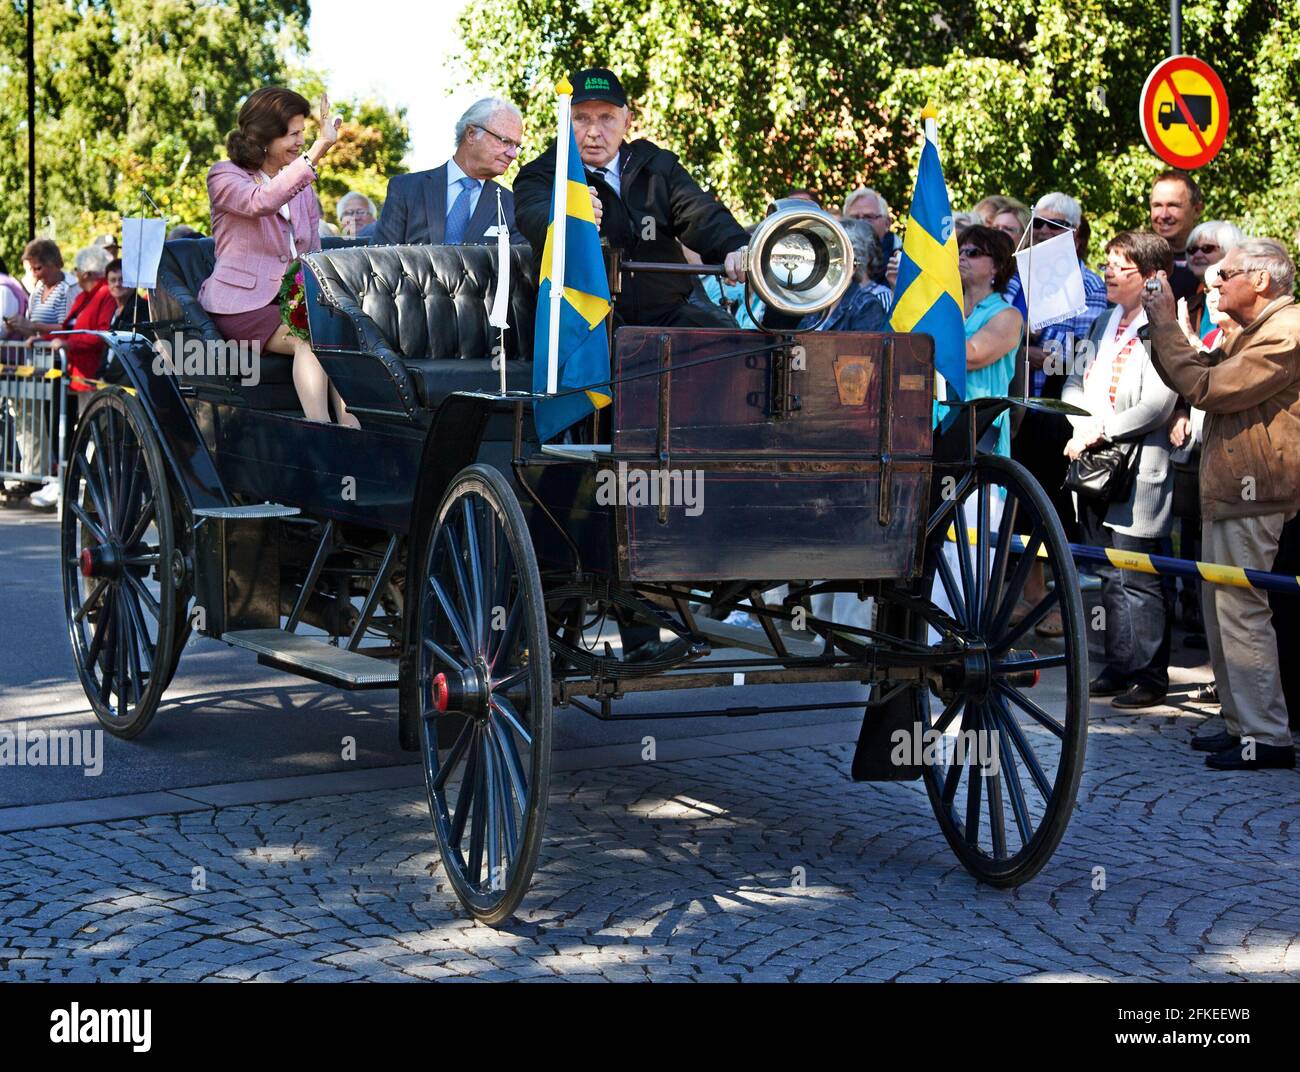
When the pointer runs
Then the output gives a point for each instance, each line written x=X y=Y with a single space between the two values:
x=263 y=118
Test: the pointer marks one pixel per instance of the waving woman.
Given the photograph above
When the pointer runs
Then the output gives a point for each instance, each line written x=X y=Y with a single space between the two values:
x=264 y=215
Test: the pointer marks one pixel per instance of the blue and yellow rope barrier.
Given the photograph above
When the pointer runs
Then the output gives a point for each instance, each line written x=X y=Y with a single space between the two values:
x=1139 y=562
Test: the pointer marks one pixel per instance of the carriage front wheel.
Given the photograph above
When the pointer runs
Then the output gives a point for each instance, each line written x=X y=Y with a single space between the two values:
x=1002 y=735
x=484 y=691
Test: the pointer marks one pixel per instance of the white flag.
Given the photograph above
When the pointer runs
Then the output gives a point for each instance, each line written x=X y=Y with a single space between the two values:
x=1051 y=280
x=142 y=243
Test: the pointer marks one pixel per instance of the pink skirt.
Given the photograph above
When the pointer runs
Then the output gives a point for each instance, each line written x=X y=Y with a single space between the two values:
x=256 y=325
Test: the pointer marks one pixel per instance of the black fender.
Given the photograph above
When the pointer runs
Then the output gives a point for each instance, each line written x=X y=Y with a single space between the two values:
x=197 y=482
x=451 y=443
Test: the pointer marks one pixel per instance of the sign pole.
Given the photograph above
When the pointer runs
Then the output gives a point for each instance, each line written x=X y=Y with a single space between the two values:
x=31 y=119
x=1175 y=27
x=559 y=229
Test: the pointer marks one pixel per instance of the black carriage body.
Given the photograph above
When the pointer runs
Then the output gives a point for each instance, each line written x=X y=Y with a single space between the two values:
x=812 y=466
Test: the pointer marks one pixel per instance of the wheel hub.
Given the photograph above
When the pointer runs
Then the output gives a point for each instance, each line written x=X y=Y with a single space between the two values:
x=102 y=560
x=464 y=693
x=970 y=673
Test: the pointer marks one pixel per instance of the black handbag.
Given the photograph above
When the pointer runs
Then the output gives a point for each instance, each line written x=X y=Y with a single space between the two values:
x=1105 y=472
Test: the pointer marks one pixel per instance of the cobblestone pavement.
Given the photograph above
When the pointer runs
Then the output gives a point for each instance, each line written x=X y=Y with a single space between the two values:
x=683 y=870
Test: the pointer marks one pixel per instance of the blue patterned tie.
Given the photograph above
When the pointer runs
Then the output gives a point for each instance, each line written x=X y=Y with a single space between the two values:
x=458 y=217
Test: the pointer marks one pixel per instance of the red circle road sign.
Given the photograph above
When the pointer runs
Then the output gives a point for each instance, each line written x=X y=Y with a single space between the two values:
x=1184 y=112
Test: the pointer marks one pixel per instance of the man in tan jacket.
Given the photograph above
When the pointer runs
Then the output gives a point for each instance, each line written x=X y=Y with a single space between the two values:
x=1250 y=483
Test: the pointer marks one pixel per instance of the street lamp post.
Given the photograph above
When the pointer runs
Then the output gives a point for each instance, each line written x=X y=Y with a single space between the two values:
x=31 y=119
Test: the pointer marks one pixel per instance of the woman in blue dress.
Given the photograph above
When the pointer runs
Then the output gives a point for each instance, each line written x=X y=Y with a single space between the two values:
x=993 y=327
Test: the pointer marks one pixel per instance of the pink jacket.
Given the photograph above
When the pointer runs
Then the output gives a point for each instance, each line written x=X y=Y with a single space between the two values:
x=252 y=237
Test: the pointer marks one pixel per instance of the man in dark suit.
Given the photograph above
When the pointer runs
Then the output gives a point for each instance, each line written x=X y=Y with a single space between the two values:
x=645 y=204
x=456 y=204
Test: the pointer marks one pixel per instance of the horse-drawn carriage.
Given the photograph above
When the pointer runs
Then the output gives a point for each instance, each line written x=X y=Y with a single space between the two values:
x=443 y=552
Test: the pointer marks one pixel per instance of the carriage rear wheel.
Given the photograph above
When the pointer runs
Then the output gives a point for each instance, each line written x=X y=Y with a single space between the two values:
x=121 y=571
x=1004 y=765
x=485 y=667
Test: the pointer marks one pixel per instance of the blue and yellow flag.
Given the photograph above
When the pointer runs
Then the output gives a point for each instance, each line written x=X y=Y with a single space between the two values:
x=927 y=296
x=584 y=342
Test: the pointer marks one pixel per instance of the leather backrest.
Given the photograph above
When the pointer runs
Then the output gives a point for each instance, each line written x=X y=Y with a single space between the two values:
x=428 y=301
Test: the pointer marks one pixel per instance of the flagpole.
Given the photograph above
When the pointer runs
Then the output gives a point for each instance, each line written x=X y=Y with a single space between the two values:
x=559 y=228
x=930 y=120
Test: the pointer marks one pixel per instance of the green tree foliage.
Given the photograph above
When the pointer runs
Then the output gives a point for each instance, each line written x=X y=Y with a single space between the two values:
x=1032 y=95
x=136 y=95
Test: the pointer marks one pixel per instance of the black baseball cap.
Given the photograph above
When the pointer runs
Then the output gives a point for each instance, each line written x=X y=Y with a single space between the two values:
x=598 y=83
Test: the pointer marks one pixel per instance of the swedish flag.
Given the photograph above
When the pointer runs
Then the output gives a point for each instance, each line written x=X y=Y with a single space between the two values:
x=584 y=344
x=927 y=296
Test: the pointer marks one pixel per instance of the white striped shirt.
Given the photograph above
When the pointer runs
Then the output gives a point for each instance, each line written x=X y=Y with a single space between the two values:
x=49 y=305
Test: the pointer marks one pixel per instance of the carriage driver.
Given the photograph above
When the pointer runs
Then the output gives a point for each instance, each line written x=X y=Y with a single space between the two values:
x=645 y=205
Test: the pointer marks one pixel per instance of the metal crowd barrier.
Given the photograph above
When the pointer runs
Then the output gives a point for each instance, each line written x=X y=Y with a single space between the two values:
x=33 y=411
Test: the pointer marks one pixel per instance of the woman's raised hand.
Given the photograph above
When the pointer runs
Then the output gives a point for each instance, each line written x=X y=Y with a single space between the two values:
x=329 y=124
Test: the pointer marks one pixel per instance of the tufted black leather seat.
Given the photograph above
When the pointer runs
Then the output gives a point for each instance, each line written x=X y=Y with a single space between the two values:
x=185 y=264
x=421 y=314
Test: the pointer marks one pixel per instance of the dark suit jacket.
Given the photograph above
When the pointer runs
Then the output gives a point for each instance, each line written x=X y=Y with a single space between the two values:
x=658 y=204
x=415 y=211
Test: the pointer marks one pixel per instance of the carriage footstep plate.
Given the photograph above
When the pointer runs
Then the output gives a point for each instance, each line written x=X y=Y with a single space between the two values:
x=254 y=510
x=313 y=658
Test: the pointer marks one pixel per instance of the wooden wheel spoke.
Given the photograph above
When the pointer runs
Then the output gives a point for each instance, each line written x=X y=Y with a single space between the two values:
x=121 y=641
x=963 y=562
x=478 y=821
x=442 y=654
x=502 y=643
x=949 y=712
x=997 y=814
x=131 y=475
x=1030 y=708
x=974 y=783
x=506 y=710
x=80 y=514
x=1037 y=614
x=1008 y=722
x=101 y=628
x=453 y=619
x=956 y=597
x=131 y=643
x=941 y=512
x=146 y=598
x=141 y=525
x=1001 y=556
x=978 y=612
x=96 y=593
x=105 y=503
x=492 y=799
x=140 y=629
x=469 y=623
x=513 y=764
x=1007 y=761
x=454 y=755
x=505 y=684
x=468 y=782
x=1016 y=584
x=477 y=577
x=506 y=793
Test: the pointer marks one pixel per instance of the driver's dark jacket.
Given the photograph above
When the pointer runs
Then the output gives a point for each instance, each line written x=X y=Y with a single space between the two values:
x=660 y=205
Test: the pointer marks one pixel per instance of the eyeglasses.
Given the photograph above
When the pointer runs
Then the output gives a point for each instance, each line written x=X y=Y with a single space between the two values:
x=1120 y=269
x=870 y=217
x=1231 y=273
x=971 y=252
x=509 y=143
x=353 y=213
x=1204 y=247
x=1055 y=225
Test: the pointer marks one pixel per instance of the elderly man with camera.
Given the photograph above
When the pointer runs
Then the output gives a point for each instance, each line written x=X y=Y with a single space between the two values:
x=1250 y=482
